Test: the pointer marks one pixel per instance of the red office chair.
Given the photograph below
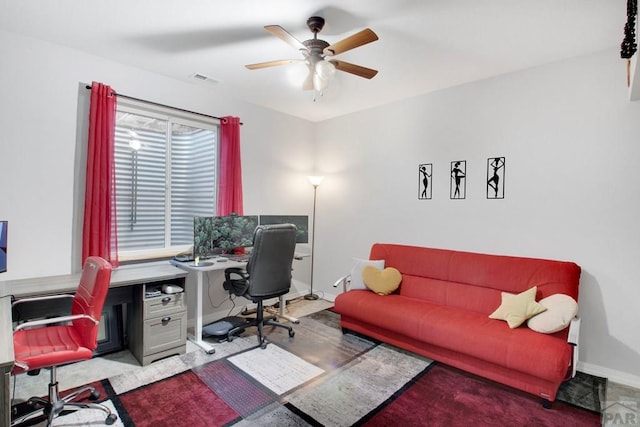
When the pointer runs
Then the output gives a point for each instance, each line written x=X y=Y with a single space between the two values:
x=73 y=341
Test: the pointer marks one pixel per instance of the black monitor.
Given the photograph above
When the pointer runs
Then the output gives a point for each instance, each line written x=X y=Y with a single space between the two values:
x=3 y=246
x=214 y=235
x=300 y=221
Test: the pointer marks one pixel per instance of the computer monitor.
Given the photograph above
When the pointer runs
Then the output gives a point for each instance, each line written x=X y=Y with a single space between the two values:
x=216 y=235
x=3 y=246
x=300 y=221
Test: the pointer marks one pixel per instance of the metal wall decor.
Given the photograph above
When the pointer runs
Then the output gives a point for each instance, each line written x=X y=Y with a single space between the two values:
x=425 y=184
x=458 y=180
x=495 y=177
x=629 y=46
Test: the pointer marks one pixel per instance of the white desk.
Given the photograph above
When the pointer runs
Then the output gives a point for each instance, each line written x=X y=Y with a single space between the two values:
x=213 y=264
x=126 y=275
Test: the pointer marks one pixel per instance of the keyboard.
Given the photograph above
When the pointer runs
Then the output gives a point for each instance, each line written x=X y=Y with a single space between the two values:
x=183 y=258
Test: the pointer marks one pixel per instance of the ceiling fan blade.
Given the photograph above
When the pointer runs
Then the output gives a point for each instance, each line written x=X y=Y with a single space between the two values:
x=285 y=36
x=270 y=64
x=357 y=70
x=358 y=39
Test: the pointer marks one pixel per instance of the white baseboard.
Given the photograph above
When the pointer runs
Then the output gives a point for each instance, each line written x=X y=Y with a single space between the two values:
x=329 y=297
x=611 y=374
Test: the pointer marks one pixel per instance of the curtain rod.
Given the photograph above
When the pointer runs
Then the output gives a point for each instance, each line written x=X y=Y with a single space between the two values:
x=157 y=104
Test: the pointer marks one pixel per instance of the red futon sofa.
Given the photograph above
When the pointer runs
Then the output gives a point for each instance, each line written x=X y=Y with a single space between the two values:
x=442 y=306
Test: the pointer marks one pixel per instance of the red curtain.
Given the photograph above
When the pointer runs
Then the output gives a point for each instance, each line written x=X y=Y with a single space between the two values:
x=99 y=235
x=230 y=186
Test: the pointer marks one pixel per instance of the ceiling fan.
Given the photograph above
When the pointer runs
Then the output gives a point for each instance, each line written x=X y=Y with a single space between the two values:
x=318 y=54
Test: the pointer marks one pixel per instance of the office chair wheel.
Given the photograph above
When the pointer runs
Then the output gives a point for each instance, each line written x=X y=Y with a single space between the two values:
x=37 y=403
x=112 y=418
x=291 y=333
x=95 y=395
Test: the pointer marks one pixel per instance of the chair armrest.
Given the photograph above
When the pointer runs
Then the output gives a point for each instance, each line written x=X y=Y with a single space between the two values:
x=236 y=280
x=345 y=281
x=44 y=298
x=572 y=339
x=236 y=270
x=51 y=320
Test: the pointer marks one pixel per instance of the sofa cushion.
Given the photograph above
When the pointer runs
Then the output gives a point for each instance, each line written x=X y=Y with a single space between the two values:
x=356 y=271
x=495 y=272
x=516 y=309
x=475 y=298
x=560 y=310
x=467 y=332
x=382 y=282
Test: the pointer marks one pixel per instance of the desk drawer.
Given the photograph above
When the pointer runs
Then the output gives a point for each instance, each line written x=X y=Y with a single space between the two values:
x=163 y=333
x=163 y=305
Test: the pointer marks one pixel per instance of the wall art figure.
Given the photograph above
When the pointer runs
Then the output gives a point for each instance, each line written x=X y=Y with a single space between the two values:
x=425 y=183
x=495 y=177
x=458 y=180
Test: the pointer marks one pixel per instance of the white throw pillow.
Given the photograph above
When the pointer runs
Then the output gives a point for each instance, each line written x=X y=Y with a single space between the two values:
x=356 y=271
x=561 y=309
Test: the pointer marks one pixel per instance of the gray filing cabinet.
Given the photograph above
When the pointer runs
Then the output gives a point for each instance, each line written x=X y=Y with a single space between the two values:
x=157 y=324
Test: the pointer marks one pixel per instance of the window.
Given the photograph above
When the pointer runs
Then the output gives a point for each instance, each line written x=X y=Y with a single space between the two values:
x=166 y=173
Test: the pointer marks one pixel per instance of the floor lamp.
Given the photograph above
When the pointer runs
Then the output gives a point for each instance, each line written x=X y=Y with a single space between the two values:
x=315 y=181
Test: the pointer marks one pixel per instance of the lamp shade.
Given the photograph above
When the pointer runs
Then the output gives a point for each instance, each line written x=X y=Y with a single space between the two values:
x=315 y=180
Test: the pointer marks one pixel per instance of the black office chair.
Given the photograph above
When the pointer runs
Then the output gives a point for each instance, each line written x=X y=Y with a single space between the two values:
x=268 y=274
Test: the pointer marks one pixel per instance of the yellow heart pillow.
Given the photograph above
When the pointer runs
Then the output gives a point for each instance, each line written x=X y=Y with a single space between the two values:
x=382 y=282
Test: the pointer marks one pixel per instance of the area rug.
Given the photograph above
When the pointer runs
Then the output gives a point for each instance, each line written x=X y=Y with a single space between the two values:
x=322 y=377
x=459 y=399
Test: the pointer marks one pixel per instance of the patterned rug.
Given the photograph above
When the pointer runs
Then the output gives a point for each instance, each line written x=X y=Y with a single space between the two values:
x=323 y=377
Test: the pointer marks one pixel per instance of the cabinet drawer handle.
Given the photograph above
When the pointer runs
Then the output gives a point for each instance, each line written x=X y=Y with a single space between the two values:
x=165 y=320
x=165 y=300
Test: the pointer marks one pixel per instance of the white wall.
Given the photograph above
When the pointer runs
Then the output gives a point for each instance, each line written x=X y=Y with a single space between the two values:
x=571 y=141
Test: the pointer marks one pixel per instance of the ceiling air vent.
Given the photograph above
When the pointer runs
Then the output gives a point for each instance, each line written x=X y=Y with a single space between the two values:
x=202 y=78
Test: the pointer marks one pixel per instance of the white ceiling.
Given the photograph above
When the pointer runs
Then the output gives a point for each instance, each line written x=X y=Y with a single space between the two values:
x=424 y=45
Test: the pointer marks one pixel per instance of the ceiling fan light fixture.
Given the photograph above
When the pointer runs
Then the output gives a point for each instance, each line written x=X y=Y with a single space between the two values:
x=297 y=73
x=325 y=70
x=319 y=84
